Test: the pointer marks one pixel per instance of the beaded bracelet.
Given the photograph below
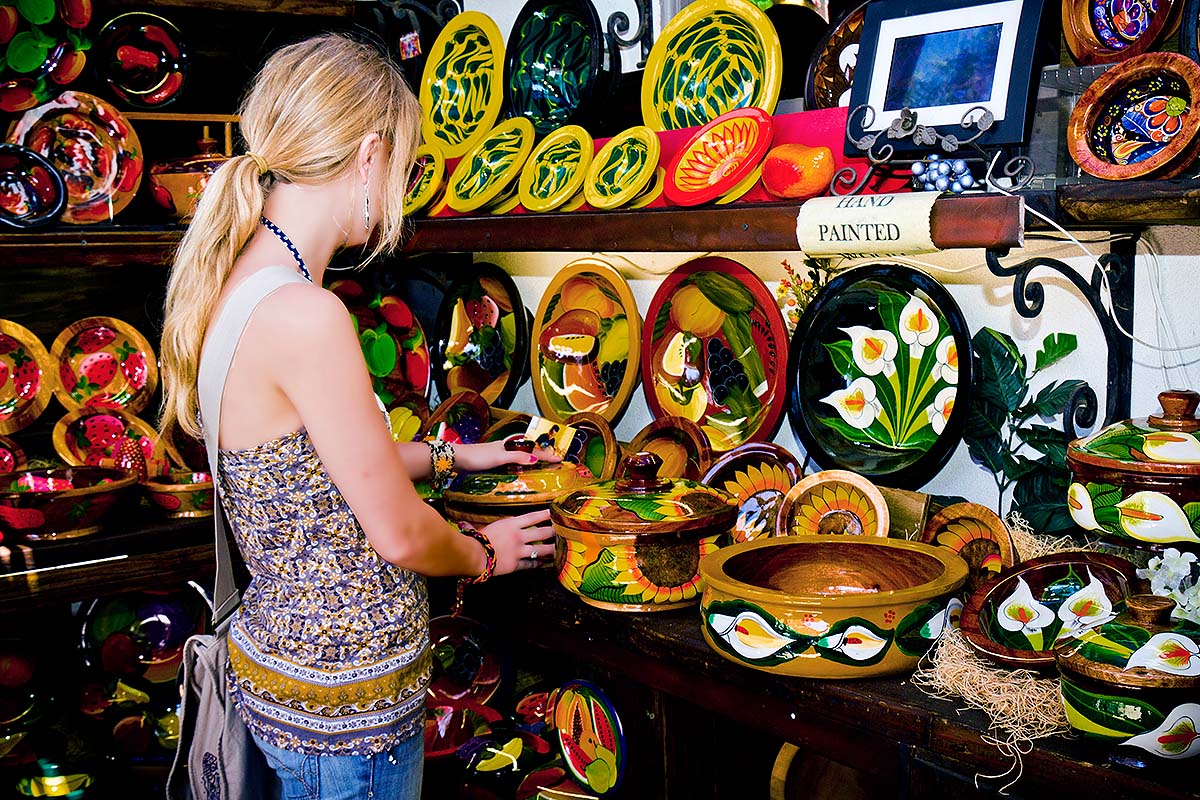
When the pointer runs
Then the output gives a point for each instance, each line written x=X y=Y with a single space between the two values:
x=489 y=567
x=441 y=462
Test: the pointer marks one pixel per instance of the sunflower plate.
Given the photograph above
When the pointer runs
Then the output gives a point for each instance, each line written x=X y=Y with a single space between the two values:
x=462 y=85
x=556 y=169
x=833 y=502
x=491 y=166
x=759 y=475
x=719 y=156
x=622 y=168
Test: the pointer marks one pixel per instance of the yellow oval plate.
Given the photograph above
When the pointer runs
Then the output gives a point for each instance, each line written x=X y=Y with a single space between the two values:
x=428 y=173
x=492 y=165
x=622 y=168
x=555 y=171
x=462 y=87
x=712 y=57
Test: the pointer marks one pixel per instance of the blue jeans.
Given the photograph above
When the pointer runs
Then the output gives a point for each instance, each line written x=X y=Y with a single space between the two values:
x=391 y=775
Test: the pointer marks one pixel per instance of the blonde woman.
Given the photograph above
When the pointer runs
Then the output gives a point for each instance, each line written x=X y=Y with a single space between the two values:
x=329 y=652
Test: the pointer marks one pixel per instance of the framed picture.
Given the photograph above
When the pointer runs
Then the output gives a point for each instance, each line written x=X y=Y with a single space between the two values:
x=941 y=59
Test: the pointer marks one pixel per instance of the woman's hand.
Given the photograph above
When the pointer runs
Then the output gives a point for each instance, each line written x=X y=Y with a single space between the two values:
x=489 y=455
x=516 y=540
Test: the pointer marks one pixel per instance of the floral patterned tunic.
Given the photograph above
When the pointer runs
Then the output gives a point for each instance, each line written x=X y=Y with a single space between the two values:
x=329 y=651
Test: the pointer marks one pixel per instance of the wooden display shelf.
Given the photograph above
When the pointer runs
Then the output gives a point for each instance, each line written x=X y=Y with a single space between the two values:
x=325 y=8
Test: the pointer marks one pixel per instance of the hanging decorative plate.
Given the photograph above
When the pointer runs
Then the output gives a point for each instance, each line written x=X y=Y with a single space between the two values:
x=142 y=58
x=737 y=192
x=461 y=418
x=482 y=336
x=87 y=435
x=719 y=156
x=586 y=342
x=32 y=193
x=759 y=475
x=1104 y=31
x=425 y=179
x=622 y=168
x=103 y=362
x=465 y=663
x=833 y=502
x=680 y=443
x=26 y=377
x=712 y=57
x=554 y=62
x=514 y=424
x=716 y=352
x=557 y=168
x=831 y=71
x=590 y=735
x=139 y=636
x=38 y=55
x=12 y=457
x=652 y=192
x=461 y=91
x=94 y=149
x=1137 y=120
x=595 y=445
x=491 y=166
x=874 y=373
x=975 y=533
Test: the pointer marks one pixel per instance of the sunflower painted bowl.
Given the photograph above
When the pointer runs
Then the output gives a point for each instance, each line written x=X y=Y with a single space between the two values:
x=828 y=606
x=719 y=156
x=46 y=504
x=759 y=475
x=833 y=502
x=182 y=493
x=636 y=543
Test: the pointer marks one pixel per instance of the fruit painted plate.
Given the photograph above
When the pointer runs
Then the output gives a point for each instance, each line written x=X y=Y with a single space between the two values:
x=590 y=735
x=831 y=71
x=977 y=534
x=466 y=666
x=1104 y=31
x=12 y=457
x=463 y=417
x=142 y=58
x=491 y=166
x=32 y=193
x=449 y=726
x=712 y=57
x=94 y=149
x=680 y=444
x=833 y=502
x=879 y=375
x=407 y=417
x=554 y=63
x=586 y=342
x=26 y=377
x=623 y=168
x=87 y=435
x=103 y=362
x=556 y=169
x=759 y=475
x=462 y=86
x=39 y=56
x=716 y=352
x=139 y=636
x=595 y=445
x=719 y=156
x=426 y=178
x=482 y=336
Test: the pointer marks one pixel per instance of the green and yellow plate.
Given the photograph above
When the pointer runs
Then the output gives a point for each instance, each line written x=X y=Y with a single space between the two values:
x=462 y=88
x=622 y=168
x=557 y=168
x=425 y=179
x=491 y=166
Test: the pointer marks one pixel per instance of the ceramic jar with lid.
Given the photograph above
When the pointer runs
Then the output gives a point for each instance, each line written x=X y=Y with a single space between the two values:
x=481 y=498
x=635 y=544
x=1137 y=482
x=1136 y=679
x=177 y=185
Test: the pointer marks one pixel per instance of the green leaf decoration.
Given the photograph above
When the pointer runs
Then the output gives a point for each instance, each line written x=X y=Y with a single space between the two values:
x=724 y=292
x=1104 y=494
x=1002 y=369
x=1046 y=440
x=1052 y=399
x=380 y=353
x=1055 y=348
x=508 y=333
x=661 y=321
x=1040 y=497
x=599 y=573
x=911 y=636
x=841 y=356
x=736 y=328
x=1120 y=716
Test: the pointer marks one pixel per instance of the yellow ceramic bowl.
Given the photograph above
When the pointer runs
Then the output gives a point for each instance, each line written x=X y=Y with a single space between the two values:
x=827 y=606
x=484 y=173
x=555 y=171
x=623 y=168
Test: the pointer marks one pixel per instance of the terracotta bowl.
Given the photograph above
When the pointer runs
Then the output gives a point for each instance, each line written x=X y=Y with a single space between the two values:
x=1094 y=35
x=828 y=606
x=47 y=504
x=182 y=493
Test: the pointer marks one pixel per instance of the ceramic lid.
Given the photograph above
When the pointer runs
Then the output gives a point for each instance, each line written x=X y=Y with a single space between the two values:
x=206 y=159
x=537 y=483
x=642 y=502
x=1164 y=444
x=1142 y=648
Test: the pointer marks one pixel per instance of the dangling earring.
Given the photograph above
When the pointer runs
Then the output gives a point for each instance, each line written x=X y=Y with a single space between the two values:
x=366 y=209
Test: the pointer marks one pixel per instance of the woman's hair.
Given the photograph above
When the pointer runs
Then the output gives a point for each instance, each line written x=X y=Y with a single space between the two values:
x=305 y=115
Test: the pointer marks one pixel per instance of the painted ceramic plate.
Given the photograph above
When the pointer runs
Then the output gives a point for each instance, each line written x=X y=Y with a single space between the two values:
x=142 y=58
x=407 y=417
x=482 y=336
x=595 y=445
x=719 y=157
x=465 y=663
x=491 y=166
x=680 y=443
x=38 y=56
x=425 y=179
x=1104 y=31
x=831 y=71
x=94 y=149
x=712 y=57
x=103 y=362
x=759 y=475
x=554 y=62
x=12 y=457
x=557 y=168
x=874 y=374
x=586 y=342
x=590 y=735
x=622 y=168
x=462 y=417
x=26 y=377
x=514 y=424
x=833 y=502
x=716 y=352
x=449 y=726
x=139 y=636
x=461 y=88
x=977 y=534
x=32 y=193
x=87 y=435
x=509 y=200
x=737 y=192
x=1138 y=119
x=652 y=192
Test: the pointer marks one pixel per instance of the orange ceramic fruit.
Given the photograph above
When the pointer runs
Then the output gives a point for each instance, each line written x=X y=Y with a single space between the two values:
x=797 y=171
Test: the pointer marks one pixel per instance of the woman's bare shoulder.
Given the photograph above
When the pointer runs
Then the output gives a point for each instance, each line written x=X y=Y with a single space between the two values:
x=301 y=315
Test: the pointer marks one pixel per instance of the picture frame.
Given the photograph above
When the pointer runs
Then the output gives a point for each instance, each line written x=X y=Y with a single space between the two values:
x=903 y=55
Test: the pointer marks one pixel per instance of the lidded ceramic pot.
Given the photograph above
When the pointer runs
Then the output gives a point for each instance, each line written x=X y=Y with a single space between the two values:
x=1135 y=680
x=1137 y=482
x=484 y=497
x=635 y=544
x=178 y=184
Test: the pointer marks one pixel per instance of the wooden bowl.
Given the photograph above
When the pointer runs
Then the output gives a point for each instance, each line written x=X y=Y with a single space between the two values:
x=181 y=493
x=81 y=499
x=1094 y=37
x=827 y=606
x=833 y=502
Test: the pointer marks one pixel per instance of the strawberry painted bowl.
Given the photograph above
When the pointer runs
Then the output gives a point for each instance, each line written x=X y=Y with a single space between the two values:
x=104 y=363
x=86 y=436
x=25 y=377
x=181 y=493
x=48 y=504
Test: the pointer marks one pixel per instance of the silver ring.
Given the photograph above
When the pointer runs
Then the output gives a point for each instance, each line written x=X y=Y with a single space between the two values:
x=533 y=552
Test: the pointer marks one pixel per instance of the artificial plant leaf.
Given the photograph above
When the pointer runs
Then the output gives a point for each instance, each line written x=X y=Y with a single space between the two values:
x=1039 y=496
x=1055 y=348
x=986 y=419
x=1001 y=369
x=1046 y=440
x=987 y=452
x=1051 y=400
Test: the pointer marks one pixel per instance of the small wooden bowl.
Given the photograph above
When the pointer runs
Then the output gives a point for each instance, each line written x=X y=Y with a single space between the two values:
x=467 y=414
x=835 y=501
x=60 y=513
x=181 y=493
x=1096 y=39
x=977 y=534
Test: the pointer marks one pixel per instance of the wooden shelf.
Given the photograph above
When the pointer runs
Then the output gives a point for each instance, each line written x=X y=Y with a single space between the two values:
x=325 y=8
x=97 y=246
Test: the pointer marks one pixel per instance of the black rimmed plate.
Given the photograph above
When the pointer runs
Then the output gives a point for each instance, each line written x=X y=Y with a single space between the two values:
x=143 y=59
x=831 y=70
x=879 y=373
x=32 y=193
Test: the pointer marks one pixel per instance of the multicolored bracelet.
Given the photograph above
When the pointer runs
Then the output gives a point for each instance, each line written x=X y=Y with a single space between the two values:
x=441 y=463
x=489 y=567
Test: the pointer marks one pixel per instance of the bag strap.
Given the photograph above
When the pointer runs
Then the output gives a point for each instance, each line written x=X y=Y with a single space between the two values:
x=221 y=342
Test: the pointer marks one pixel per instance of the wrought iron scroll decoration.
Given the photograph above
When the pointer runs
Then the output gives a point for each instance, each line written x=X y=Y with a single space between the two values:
x=442 y=11
x=618 y=27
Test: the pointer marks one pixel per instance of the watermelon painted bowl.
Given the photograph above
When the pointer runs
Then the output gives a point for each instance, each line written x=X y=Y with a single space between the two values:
x=50 y=504
x=181 y=493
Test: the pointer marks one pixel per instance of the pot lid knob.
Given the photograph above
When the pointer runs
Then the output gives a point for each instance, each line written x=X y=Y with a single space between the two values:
x=1179 y=410
x=641 y=474
x=1151 y=609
